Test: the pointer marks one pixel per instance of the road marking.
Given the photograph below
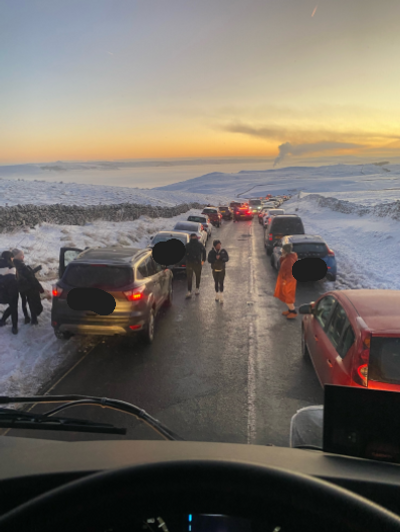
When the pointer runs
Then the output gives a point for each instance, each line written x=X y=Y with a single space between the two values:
x=251 y=364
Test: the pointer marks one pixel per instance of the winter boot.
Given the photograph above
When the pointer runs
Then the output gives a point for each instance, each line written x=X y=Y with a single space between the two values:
x=14 y=329
x=216 y=296
x=2 y=323
x=189 y=294
x=27 y=320
x=197 y=291
x=292 y=314
x=221 y=298
x=34 y=321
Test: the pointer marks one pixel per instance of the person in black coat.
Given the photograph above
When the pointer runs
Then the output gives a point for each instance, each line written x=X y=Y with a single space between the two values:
x=28 y=285
x=218 y=257
x=8 y=292
x=195 y=258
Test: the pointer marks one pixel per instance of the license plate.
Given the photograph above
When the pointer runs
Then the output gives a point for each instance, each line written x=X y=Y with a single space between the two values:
x=278 y=237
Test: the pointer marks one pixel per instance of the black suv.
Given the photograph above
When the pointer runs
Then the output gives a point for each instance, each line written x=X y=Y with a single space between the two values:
x=279 y=226
x=139 y=285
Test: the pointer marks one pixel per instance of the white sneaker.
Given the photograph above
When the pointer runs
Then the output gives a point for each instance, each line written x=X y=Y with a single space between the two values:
x=217 y=297
x=221 y=298
x=197 y=292
x=189 y=294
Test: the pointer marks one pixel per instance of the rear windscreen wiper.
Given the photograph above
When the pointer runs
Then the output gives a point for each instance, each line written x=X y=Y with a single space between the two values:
x=16 y=418
x=28 y=420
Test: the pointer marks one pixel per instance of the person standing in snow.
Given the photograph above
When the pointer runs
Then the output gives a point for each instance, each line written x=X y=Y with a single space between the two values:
x=195 y=258
x=28 y=285
x=8 y=291
x=218 y=257
x=285 y=288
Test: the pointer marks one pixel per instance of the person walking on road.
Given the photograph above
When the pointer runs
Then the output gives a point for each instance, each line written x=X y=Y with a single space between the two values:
x=285 y=288
x=28 y=285
x=195 y=258
x=218 y=257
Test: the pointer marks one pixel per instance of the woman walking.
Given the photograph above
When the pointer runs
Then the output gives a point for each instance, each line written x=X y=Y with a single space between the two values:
x=285 y=289
x=218 y=257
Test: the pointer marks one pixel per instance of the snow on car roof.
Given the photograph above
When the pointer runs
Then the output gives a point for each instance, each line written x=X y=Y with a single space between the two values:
x=295 y=239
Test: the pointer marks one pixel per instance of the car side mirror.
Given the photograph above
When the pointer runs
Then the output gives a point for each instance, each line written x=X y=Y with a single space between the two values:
x=307 y=308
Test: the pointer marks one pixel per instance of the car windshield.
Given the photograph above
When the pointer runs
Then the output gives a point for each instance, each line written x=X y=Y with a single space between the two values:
x=97 y=275
x=122 y=119
x=165 y=238
x=310 y=247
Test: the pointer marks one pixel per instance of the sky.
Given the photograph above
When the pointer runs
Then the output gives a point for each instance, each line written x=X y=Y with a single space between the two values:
x=135 y=79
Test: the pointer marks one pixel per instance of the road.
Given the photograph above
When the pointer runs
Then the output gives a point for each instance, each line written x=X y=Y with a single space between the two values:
x=228 y=373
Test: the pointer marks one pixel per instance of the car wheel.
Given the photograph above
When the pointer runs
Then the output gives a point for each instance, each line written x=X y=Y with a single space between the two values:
x=148 y=332
x=304 y=350
x=62 y=335
x=168 y=301
x=273 y=262
x=269 y=251
x=331 y=277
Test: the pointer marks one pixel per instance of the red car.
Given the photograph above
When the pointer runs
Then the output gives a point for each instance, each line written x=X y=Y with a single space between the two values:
x=353 y=338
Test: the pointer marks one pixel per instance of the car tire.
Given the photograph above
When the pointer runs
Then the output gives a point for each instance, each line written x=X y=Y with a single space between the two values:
x=273 y=262
x=169 y=300
x=148 y=331
x=304 y=349
x=331 y=278
x=62 y=335
x=268 y=250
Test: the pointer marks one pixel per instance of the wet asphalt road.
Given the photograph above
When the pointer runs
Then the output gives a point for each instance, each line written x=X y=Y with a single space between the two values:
x=230 y=373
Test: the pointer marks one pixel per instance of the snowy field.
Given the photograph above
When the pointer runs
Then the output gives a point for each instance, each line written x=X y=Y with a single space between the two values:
x=367 y=247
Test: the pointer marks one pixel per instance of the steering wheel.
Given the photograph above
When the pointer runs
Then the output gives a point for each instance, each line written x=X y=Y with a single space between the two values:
x=114 y=497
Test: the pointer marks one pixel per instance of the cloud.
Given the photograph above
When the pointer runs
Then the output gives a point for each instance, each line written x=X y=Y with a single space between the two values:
x=315 y=10
x=300 y=149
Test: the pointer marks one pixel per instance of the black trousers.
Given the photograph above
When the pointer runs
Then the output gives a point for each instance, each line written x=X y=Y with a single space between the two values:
x=24 y=308
x=34 y=302
x=193 y=267
x=219 y=280
x=11 y=310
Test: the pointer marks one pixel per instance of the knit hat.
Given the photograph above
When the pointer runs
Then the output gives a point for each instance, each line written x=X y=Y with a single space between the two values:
x=287 y=248
x=16 y=252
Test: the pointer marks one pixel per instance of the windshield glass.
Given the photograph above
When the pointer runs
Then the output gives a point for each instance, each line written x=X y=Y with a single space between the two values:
x=86 y=275
x=122 y=119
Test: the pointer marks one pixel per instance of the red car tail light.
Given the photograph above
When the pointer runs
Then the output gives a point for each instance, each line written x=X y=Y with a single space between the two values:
x=133 y=327
x=134 y=295
x=360 y=369
x=270 y=237
x=56 y=290
x=331 y=253
x=248 y=212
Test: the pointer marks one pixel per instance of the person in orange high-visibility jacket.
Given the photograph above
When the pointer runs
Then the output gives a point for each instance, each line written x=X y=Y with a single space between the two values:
x=285 y=288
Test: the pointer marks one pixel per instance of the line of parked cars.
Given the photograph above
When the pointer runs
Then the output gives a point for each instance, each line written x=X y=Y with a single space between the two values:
x=352 y=337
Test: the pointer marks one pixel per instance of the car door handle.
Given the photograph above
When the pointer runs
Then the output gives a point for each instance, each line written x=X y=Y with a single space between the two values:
x=329 y=363
x=316 y=338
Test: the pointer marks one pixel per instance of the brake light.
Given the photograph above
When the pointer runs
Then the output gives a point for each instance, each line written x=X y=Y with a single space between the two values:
x=248 y=212
x=270 y=236
x=56 y=290
x=134 y=295
x=360 y=371
x=331 y=253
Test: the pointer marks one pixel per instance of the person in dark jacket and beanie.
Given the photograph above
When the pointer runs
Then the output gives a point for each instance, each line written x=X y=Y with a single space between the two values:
x=28 y=285
x=8 y=291
x=195 y=258
x=218 y=257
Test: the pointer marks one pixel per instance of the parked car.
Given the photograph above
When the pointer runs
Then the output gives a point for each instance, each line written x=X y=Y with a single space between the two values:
x=280 y=226
x=261 y=214
x=226 y=212
x=243 y=213
x=192 y=227
x=204 y=220
x=353 y=338
x=164 y=236
x=268 y=213
x=236 y=204
x=214 y=215
x=139 y=285
x=307 y=246
x=270 y=204
x=255 y=205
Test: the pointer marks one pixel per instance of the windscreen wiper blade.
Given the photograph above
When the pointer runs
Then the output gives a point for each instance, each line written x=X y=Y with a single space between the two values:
x=28 y=420
x=104 y=402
